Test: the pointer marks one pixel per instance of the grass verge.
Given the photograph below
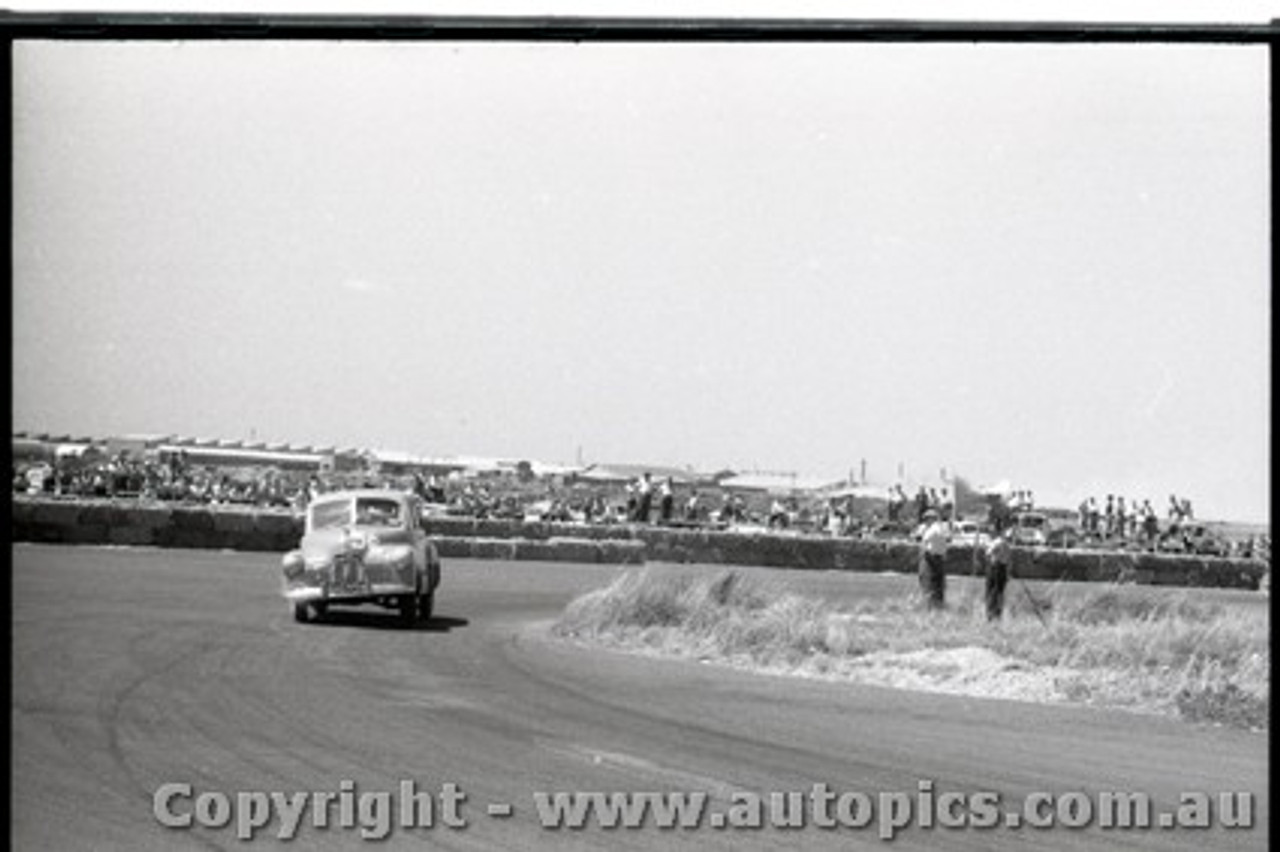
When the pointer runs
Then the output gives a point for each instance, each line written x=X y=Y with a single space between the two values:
x=1146 y=650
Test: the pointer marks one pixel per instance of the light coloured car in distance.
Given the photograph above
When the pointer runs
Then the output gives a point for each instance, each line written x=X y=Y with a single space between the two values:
x=363 y=546
x=968 y=534
x=1030 y=529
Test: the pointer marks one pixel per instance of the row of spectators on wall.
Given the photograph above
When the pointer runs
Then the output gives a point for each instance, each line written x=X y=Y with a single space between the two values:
x=903 y=510
x=177 y=481
x=125 y=478
x=1131 y=520
x=645 y=501
x=174 y=480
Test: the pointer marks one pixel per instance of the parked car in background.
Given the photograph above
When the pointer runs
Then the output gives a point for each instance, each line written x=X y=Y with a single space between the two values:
x=363 y=547
x=1030 y=529
x=1064 y=537
x=885 y=530
x=1195 y=539
x=968 y=534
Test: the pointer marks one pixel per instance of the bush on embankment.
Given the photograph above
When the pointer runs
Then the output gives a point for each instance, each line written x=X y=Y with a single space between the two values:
x=1121 y=647
x=236 y=528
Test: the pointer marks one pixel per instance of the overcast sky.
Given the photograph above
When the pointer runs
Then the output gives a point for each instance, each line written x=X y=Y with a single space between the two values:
x=1047 y=264
x=1149 y=11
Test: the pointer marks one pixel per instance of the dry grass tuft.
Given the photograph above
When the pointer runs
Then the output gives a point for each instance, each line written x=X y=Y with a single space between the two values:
x=1147 y=650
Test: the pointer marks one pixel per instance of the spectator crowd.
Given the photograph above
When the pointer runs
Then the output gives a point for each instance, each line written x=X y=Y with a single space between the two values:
x=1116 y=521
x=122 y=477
x=1134 y=521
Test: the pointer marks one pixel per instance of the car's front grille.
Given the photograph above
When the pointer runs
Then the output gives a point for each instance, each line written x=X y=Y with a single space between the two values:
x=347 y=575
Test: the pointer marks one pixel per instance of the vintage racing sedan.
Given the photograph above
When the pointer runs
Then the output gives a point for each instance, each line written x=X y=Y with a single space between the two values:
x=363 y=546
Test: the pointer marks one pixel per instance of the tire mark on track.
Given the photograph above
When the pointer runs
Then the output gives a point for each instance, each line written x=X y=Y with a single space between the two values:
x=110 y=710
x=713 y=741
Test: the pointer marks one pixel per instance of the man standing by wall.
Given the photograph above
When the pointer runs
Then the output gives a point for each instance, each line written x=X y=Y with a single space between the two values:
x=1150 y=525
x=666 y=504
x=644 y=498
x=922 y=504
x=933 y=552
x=1094 y=518
x=998 y=558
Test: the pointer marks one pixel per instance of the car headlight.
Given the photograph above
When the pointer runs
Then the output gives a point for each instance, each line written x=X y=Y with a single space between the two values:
x=293 y=565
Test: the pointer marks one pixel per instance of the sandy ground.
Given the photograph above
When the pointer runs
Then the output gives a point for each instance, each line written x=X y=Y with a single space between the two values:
x=969 y=671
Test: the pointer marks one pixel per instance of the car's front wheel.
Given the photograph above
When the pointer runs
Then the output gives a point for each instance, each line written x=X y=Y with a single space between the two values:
x=426 y=605
x=408 y=608
x=304 y=612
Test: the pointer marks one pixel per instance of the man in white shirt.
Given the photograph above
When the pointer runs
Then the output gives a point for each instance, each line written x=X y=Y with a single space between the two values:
x=691 y=507
x=644 y=498
x=998 y=558
x=933 y=551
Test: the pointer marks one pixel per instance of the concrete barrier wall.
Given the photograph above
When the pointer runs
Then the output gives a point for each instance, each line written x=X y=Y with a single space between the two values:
x=552 y=550
x=104 y=522
x=158 y=525
x=456 y=527
x=238 y=528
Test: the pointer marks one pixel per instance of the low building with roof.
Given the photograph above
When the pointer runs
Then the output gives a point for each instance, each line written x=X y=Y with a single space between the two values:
x=201 y=455
x=399 y=463
x=781 y=483
x=30 y=449
x=621 y=474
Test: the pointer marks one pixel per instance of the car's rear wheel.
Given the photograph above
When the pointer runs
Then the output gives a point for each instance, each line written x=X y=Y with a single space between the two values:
x=304 y=612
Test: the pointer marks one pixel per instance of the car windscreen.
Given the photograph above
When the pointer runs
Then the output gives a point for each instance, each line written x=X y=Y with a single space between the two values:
x=331 y=513
x=378 y=512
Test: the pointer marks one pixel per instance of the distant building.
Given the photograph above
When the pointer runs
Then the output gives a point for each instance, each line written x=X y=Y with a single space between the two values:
x=32 y=450
x=397 y=463
x=778 y=483
x=218 y=456
x=135 y=447
x=621 y=474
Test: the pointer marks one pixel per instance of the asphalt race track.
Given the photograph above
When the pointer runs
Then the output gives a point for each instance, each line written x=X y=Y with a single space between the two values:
x=133 y=669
